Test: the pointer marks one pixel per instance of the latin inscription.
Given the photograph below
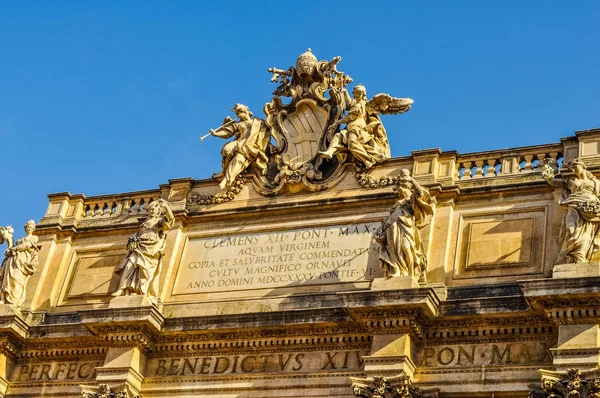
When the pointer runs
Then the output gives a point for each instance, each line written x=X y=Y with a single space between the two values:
x=309 y=256
x=489 y=354
x=257 y=363
x=49 y=371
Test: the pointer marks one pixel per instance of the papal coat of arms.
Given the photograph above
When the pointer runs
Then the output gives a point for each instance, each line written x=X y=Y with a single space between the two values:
x=313 y=128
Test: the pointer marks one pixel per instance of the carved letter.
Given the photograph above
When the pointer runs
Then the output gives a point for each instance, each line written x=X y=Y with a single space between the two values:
x=161 y=370
x=32 y=374
x=428 y=352
x=461 y=352
x=497 y=358
x=330 y=361
x=523 y=354
x=173 y=367
x=218 y=361
x=71 y=371
x=299 y=363
x=205 y=365
x=243 y=364
x=86 y=374
x=440 y=356
x=188 y=364
x=46 y=372
x=23 y=370
x=282 y=363
x=266 y=358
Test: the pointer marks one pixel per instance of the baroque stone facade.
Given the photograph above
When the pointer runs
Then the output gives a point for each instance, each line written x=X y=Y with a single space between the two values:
x=274 y=283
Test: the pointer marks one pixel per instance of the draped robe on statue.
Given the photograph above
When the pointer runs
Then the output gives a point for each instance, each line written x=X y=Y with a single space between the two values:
x=16 y=270
x=580 y=229
x=142 y=265
x=402 y=252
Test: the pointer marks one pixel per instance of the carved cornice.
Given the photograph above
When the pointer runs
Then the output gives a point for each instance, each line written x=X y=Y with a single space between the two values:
x=9 y=346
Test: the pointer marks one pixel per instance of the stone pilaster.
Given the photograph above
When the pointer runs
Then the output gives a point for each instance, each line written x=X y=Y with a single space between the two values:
x=128 y=327
x=13 y=329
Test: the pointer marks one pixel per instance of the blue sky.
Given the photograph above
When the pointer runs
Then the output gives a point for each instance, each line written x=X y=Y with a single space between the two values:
x=108 y=96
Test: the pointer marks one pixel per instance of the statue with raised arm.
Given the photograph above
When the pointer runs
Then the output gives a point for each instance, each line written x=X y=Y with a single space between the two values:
x=249 y=145
x=402 y=252
x=141 y=267
x=20 y=262
x=364 y=135
x=579 y=232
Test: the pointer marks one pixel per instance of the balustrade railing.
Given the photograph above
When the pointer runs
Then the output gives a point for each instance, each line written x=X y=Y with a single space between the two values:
x=117 y=206
x=479 y=165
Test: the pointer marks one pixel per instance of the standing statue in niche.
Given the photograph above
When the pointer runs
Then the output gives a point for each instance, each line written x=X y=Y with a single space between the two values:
x=364 y=136
x=579 y=232
x=20 y=262
x=402 y=252
x=250 y=143
x=140 y=269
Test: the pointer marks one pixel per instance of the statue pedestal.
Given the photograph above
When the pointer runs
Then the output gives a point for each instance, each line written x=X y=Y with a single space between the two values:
x=133 y=301
x=580 y=270
x=395 y=283
x=9 y=310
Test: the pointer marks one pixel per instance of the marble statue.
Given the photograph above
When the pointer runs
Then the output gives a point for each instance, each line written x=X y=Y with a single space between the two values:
x=579 y=233
x=141 y=267
x=249 y=146
x=20 y=262
x=364 y=135
x=402 y=252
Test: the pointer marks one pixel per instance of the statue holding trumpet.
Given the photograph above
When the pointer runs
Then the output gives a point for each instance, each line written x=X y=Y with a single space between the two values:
x=248 y=147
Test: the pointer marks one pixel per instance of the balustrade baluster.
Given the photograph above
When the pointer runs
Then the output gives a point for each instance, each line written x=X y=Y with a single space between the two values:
x=540 y=166
x=527 y=167
x=467 y=171
x=491 y=170
x=478 y=169
x=554 y=157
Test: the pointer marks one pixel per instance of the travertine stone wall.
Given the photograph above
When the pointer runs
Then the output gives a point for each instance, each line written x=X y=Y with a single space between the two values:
x=270 y=296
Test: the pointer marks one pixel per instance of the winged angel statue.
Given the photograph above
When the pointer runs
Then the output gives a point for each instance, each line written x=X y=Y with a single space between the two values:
x=364 y=135
x=301 y=143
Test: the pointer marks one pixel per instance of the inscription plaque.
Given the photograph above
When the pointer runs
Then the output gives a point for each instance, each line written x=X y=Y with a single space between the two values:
x=307 y=256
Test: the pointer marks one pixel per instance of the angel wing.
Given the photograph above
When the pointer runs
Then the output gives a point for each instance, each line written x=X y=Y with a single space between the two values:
x=388 y=105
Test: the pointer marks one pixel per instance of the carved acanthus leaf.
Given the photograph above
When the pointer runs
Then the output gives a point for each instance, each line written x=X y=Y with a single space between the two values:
x=571 y=387
x=396 y=387
x=104 y=391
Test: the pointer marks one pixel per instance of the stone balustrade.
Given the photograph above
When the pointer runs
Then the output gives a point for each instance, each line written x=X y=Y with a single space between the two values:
x=511 y=162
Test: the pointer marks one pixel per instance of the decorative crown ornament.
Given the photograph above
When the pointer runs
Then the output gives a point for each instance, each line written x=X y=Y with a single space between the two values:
x=306 y=64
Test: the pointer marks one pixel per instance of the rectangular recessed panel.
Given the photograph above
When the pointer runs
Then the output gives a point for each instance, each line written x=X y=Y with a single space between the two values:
x=94 y=274
x=505 y=242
